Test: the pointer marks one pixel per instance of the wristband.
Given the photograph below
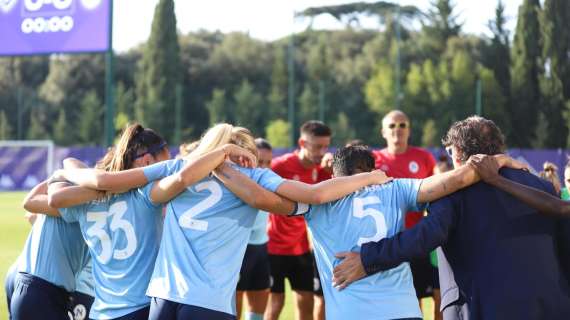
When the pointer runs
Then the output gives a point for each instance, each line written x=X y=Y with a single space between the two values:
x=300 y=209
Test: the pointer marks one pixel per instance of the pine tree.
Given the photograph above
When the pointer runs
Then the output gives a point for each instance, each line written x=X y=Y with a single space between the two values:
x=61 y=131
x=90 y=127
x=442 y=24
x=555 y=83
x=159 y=72
x=525 y=72
x=37 y=129
x=498 y=55
x=249 y=108
x=218 y=107
x=5 y=128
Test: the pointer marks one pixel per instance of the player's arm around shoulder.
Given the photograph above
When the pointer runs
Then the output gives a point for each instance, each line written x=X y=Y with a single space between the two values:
x=332 y=189
x=252 y=193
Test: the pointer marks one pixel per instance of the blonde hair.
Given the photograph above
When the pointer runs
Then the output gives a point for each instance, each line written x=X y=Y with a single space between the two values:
x=224 y=133
x=550 y=173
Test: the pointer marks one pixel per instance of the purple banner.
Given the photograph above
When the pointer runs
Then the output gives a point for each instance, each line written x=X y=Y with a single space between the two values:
x=21 y=168
x=53 y=26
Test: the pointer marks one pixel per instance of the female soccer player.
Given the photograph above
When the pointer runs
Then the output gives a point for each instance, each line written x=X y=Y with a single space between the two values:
x=207 y=227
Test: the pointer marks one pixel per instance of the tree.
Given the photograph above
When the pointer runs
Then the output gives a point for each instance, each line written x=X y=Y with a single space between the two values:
x=37 y=130
x=308 y=104
x=441 y=26
x=159 y=72
x=90 y=123
x=430 y=135
x=342 y=129
x=277 y=133
x=5 y=128
x=249 y=108
x=279 y=82
x=380 y=89
x=555 y=82
x=525 y=72
x=540 y=136
x=218 y=108
x=61 y=132
x=497 y=56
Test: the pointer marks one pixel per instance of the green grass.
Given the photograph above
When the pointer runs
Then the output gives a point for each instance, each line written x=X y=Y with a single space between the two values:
x=14 y=230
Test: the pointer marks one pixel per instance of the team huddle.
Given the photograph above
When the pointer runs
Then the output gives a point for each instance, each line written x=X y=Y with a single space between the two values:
x=143 y=236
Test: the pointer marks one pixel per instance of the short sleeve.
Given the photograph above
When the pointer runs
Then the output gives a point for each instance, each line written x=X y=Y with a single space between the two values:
x=145 y=191
x=267 y=179
x=430 y=162
x=407 y=193
x=161 y=169
x=71 y=214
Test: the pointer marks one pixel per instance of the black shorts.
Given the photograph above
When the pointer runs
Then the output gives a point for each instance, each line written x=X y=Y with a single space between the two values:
x=254 y=273
x=298 y=269
x=36 y=298
x=426 y=277
x=317 y=287
x=80 y=305
x=161 y=309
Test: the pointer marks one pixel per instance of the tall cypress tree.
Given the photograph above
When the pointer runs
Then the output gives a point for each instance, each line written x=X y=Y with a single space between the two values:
x=498 y=57
x=442 y=25
x=525 y=72
x=159 y=72
x=555 y=84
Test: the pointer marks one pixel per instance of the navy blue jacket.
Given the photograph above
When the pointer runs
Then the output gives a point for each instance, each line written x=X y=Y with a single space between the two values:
x=509 y=261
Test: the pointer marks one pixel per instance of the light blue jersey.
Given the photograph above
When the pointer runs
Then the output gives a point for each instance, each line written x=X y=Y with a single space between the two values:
x=259 y=230
x=206 y=231
x=367 y=215
x=84 y=281
x=123 y=234
x=54 y=251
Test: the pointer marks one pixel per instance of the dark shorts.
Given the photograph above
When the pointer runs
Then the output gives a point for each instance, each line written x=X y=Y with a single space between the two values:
x=35 y=298
x=80 y=305
x=161 y=309
x=426 y=277
x=9 y=288
x=317 y=287
x=254 y=273
x=141 y=314
x=298 y=269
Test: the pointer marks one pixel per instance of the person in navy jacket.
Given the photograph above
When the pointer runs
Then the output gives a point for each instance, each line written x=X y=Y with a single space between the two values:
x=508 y=260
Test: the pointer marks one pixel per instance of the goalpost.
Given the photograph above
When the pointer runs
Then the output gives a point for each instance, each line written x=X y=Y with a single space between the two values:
x=11 y=164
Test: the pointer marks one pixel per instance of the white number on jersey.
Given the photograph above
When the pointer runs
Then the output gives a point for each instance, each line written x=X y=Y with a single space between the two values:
x=359 y=211
x=116 y=212
x=187 y=220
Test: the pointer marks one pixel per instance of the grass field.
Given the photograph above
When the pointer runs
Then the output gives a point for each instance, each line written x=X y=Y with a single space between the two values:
x=14 y=229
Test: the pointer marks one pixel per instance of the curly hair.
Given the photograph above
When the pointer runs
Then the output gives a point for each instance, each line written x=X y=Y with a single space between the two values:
x=475 y=135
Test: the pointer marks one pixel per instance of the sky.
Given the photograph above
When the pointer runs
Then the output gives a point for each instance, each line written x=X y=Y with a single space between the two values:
x=271 y=19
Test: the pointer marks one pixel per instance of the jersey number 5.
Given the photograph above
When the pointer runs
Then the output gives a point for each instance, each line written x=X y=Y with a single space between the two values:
x=116 y=211
x=359 y=211
x=187 y=220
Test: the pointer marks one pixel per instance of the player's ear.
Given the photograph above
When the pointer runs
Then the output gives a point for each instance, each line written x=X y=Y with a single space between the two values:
x=301 y=142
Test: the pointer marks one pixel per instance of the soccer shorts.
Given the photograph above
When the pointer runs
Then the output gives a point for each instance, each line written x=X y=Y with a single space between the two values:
x=298 y=269
x=254 y=273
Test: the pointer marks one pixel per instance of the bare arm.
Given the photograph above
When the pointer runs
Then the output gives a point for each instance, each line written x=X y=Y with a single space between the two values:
x=196 y=169
x=36 y=201
x=114 y=182
x=441 y=185
x=331 y=189
x=251 y=193
x=488 y=169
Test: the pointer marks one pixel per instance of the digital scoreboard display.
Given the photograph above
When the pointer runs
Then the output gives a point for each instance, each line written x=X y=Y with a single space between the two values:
x=53 y=26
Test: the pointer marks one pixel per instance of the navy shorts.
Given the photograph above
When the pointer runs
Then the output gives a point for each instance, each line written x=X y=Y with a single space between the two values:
x=298 y=269
x=254 y=273
x=317 y=287
x=161 y=309
x=9 y=287
x=80 y=305
x=141 y=314
x=36 y=298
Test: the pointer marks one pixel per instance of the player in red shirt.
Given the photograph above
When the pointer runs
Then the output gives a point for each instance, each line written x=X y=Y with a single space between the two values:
x=289 y=252
x=400 y=160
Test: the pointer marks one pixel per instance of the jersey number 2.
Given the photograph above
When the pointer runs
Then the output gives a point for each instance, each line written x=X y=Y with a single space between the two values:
x=359 y=211
x=116 y=211
x=187 y=220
